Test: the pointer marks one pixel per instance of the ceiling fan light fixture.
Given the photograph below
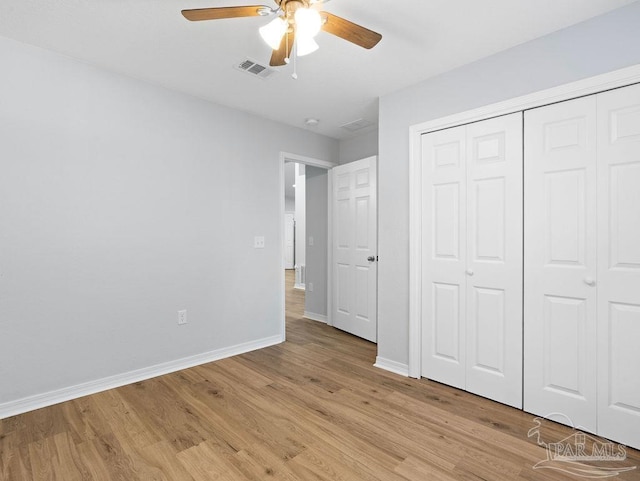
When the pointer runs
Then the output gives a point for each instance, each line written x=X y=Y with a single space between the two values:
x=305 y=46
x=308 y=22
x=273 y=32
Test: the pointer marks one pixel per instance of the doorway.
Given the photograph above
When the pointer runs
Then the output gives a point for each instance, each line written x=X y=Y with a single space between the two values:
x=294 y=221
x=305 y=287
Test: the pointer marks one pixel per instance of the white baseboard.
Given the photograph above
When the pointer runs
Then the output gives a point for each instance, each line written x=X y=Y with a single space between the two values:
x=38 y=401
x=315 y=317
x=392 y=366
x=299 y=286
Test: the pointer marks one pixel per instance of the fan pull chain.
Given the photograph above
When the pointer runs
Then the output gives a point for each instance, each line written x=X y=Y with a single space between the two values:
x=294 y=75
x=286 y=48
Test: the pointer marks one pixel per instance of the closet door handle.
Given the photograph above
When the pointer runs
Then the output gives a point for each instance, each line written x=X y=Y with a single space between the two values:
x=590 y=281
x=469 y=272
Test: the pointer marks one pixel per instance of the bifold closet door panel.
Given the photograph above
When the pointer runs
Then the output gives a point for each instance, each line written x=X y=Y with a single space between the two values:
x=618 y=281
x=494 y=259
x=443 y=256
x=560 y=261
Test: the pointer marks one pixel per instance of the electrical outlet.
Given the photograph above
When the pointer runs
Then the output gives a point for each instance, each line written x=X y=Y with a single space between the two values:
x=311 y=240
x=258 y=242
x=310 y=286
x=182 y=317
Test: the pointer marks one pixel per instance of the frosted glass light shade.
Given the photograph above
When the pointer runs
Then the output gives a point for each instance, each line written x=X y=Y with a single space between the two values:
x=308 y=22
x=306 y=45
x=272 y=32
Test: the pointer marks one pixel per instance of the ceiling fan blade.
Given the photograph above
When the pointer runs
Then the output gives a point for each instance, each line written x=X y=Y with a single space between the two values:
x=350 y=31
x=225 y=12
x=284 y=51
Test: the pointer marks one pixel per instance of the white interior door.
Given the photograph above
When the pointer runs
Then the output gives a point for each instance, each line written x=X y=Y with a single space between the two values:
x=494 y=259
x=289 y=226
x=618 y=282
x=560 y=261
x=354 y=269
x=444 y=254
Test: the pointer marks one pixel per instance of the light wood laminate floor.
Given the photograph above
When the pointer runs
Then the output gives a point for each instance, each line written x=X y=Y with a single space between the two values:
x=313 y=408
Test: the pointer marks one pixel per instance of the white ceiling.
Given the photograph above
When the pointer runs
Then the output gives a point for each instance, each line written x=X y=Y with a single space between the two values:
x=150 y=40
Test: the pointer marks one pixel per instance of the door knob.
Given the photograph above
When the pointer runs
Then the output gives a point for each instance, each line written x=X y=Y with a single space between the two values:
x=371 y=258
x=590 y=281
x=469 y=272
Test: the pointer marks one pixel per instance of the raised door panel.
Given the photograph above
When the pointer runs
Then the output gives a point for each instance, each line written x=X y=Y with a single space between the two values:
x=564 y=229
x=488 y=323
x=343 y=288
x=363 y=238
x=444 y=256
x=624 y=356
x=489 y=220
x=445 y=337
x=343 y=294
x=494 y=259
x=560 y=261
x=362 y=234
x=445 y=231
x=343 y=226
x=618 y=280
x=623 y=232
x=564 y=346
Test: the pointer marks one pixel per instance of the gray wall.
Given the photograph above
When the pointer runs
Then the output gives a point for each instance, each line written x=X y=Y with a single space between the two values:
x=317 y=227
x=600 y=45
x=289 y=204
x=360 y=147
x=121 y=203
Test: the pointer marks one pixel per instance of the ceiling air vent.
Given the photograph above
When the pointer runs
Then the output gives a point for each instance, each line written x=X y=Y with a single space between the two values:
x=358 y=124
x=254 y=68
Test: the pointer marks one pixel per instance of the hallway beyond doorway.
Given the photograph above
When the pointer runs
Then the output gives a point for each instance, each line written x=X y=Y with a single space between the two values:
x=294 y=298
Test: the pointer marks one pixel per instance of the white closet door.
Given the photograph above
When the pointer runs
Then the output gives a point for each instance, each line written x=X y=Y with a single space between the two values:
x=619 y=265
x=560 y=261
x=444 y=256
x=494 y=259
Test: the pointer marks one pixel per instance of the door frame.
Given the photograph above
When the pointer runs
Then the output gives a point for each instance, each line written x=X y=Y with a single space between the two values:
x=323 y=164
x=580 y=88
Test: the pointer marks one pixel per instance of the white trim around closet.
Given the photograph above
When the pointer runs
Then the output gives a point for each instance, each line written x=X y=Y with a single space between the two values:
x=580 y=88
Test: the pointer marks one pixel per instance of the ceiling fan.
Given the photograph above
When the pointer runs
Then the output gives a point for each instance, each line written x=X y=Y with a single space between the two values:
x=297 y=21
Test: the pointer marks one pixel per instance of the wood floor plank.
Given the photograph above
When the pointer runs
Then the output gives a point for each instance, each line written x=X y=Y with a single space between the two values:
x=311 y=409
x=164 y=456
x=123 y=420
x=67 y=463
x=261 y=462
x=12 y=457
x=415 y=469
x=239 y=371
x=205 y=462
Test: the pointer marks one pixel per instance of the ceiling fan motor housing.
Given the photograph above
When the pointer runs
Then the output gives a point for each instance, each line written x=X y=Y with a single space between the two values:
x=291 y=6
